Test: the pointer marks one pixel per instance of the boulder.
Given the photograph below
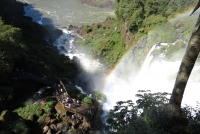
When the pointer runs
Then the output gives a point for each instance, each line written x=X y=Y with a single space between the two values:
x=60 y=126
x=49 y=131
x=1 y=118
x=53 y=121
x=47 y=120
x=59 y=132
x=54 y=127
x=65 y=127
x=45 y=129
x=95 y=132
x=72 y=28
x=6 y=115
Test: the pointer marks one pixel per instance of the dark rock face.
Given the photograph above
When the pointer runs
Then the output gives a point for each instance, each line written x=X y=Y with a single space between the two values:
x=72 y=28
x=103 y=4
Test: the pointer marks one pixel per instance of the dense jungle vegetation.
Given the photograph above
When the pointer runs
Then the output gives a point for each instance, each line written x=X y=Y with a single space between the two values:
x=23 y=46
x=146 y=116
x=134 y=20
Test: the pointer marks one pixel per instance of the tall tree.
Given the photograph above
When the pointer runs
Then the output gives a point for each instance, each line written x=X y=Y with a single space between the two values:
x=186 y=67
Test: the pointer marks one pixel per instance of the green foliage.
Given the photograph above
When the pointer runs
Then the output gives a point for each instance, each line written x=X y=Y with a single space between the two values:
x=73 y=91
x=17 y=126
x=136 y=12
x=29 y=111
x=88 y=29
x=174 y=49
x=104 y=42
x=186 y=25
x=6 y=92
x=81 y=96
x=25 y=40
x=152 y=22
x=88 y=100
x=147 y=116
x=49 y=106
x=10 y=44
x=165 y=33
x=37 y=110
x=127 y=117
x=135 y=19
x=100 y=97
x=171 y=51
x=72 y=129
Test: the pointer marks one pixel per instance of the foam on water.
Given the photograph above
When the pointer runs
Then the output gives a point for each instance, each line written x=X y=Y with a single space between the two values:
x=61 y=13
x=65 y=44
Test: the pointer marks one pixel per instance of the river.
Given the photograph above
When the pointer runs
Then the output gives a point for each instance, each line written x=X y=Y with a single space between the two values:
x=61 y=13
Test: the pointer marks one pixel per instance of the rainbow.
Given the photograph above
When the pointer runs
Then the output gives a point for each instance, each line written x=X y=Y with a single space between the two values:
x=121 y=83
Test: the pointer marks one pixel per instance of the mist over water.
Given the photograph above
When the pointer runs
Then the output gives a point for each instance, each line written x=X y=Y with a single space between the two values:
x=156 y=74
x=92 y=74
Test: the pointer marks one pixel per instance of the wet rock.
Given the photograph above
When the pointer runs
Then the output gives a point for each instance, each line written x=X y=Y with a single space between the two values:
x=53 y=121
x=72 y=28
x=6 y=115
x=65 y=127
x=45 y=129
x=54 y=127
x=59 y=132
x=43 y=101
x=47 y=120
x=60 y=126
x=95 y=132
x=49 y=131
x=1 y=118
x=60 y=110
x=80 y=117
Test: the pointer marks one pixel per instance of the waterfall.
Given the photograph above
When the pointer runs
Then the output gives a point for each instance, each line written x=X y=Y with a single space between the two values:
x=156 y=74
x=91 y=77
x=65 y=45
x=124 y=88
x=148 y=59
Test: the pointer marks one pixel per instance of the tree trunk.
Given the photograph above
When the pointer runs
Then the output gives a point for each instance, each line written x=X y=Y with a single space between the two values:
x=186 y=67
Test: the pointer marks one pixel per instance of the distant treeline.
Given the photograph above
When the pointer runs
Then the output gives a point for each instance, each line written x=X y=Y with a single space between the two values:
x=111 y=39
x=141 y=15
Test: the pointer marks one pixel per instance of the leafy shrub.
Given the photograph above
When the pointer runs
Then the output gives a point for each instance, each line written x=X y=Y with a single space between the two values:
x=88 y=29
x=17 y=126
x=35 y=110
x=147 y=116
x=73 y=91
x=72 y=129
x=81 y=96
x=88 y=100
x=99 y=96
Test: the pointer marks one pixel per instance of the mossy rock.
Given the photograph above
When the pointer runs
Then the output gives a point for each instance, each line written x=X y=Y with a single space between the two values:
x=88 y=100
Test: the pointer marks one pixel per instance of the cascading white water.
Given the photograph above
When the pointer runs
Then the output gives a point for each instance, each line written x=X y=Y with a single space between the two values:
x=90 y=77
x=65 y=45
x=155 y=75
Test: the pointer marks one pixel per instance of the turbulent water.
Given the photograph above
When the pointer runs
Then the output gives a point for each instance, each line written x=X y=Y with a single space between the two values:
x=61 y=13
x=155 y=75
